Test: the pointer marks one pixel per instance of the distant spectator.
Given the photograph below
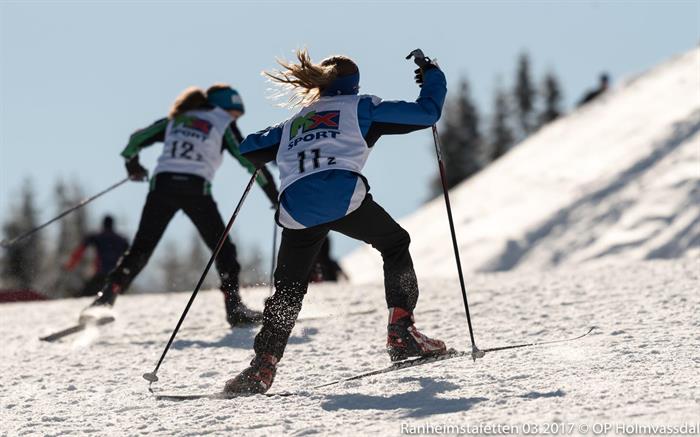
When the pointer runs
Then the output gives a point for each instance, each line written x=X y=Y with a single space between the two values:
x=109 y=247
x=326 y=268
x=603 y=83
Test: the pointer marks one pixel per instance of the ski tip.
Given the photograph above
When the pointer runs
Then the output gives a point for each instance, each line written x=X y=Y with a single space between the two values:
x=150 y=377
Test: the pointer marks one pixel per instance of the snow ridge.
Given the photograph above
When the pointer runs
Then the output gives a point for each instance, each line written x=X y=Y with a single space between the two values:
x=616 y=180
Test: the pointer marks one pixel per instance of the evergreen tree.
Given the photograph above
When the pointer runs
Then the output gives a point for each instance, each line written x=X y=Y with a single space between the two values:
x=501 y=134
x=551 y=94
x=71 y=232
x=525 y=94
x=460 y=139
x=21 y=266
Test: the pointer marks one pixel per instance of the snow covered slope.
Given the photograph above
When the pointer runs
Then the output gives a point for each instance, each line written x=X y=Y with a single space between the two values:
x=616 y=183
x=639 y=367
x=619 y=178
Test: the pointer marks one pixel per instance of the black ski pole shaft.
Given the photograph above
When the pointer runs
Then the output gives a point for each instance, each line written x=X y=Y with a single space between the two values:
x=421 y=60
x=82 y=203
x=152 y=377
x=274 y=256
x=476 y=353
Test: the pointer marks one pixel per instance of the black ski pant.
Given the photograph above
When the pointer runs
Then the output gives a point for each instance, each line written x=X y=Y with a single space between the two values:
x=174 y=192
x=298 y=250
x=93 y=285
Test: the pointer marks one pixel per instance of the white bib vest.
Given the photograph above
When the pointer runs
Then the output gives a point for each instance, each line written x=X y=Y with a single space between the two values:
x=323 y=136
x=193 y=143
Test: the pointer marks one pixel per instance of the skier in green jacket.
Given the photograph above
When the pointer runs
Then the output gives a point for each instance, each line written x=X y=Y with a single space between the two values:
x=199 y=128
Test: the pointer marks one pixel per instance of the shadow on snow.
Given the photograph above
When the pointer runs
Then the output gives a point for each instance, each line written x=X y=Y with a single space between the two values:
x=421 y=403
x=241 y=338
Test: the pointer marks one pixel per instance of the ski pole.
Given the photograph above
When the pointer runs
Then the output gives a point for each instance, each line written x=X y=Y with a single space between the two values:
x=420 y=60
x=151 y=376
x=476 y=353
x=274 y=255
x=6 y=244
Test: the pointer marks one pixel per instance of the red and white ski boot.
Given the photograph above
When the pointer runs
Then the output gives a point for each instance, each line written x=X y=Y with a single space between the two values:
x=405 y=341
x=255 y=379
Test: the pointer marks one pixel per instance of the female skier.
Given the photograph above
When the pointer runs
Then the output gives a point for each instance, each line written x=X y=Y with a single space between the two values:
x=320 y=153
x=200 y=126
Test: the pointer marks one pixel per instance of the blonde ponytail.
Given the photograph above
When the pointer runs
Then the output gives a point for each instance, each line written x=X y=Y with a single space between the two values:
x=305 y=82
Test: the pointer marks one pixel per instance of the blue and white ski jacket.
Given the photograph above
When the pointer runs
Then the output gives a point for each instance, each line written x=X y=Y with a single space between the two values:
x=322 y=149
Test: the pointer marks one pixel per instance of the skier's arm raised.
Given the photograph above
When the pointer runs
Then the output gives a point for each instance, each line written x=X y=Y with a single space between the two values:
x=400 y=117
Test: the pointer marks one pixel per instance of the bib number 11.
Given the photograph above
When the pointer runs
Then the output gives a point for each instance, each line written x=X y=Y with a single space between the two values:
x=315 y=159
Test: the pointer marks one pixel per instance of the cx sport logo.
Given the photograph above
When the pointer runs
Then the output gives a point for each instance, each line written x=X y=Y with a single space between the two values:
x=312 y=126
x=190 y=122
x=314 y=120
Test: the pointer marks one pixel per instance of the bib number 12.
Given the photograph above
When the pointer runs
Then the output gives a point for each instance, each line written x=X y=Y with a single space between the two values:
x=184 y=150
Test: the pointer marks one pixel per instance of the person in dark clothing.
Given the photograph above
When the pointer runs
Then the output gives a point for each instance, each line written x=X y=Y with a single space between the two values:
x=603 y=84
x=200 y=127
x=109 y=247
x=325 y=268
x=320 y=153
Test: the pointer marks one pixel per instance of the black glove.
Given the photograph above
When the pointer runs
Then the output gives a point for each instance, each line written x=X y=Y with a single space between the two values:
x=423 y=62
x=136 y=171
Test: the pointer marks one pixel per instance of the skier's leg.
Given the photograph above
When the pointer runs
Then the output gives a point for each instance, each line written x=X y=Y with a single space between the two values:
x=297 y=252
x=93 y=285
x=373 y=225
x=370 y=223
x=204 y=213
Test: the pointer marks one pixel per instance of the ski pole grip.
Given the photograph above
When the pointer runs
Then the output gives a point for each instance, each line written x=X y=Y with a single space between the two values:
x=419 y=58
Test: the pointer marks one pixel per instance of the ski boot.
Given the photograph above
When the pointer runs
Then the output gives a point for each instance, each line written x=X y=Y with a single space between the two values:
x=405 y=341
x=256 y=379
x=100 y=308
x=237 y=313
x=107 y=296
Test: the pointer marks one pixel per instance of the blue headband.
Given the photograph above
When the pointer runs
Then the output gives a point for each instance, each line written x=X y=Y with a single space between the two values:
x=349 y=84
x=226 y=98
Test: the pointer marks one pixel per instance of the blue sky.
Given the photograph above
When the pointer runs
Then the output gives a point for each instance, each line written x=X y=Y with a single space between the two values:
x=76 y=78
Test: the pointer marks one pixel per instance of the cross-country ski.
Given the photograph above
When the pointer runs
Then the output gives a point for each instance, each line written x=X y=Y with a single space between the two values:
x=211 y=396
x=449 y=354
x=349 y=218
x=80 y=327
